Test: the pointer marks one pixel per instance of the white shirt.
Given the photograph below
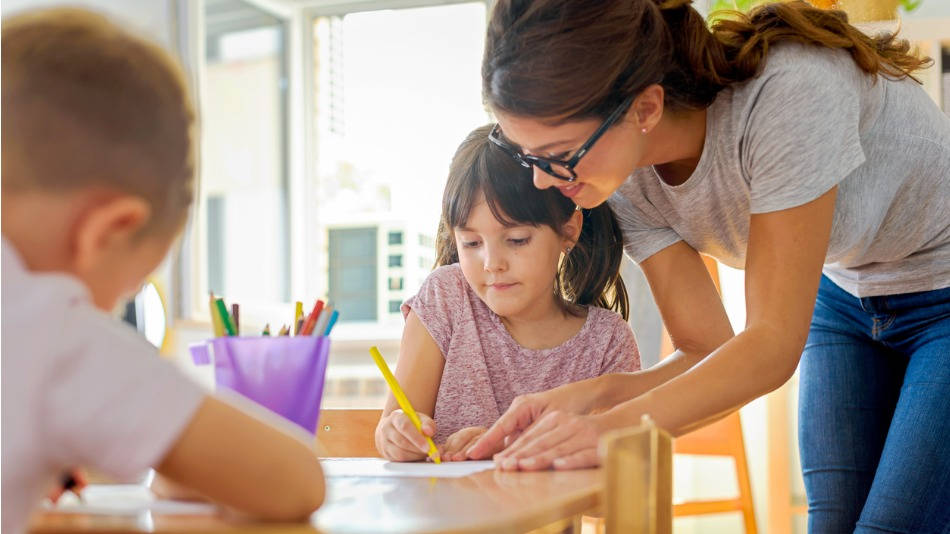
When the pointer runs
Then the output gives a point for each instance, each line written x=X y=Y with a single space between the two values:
x=79 y=389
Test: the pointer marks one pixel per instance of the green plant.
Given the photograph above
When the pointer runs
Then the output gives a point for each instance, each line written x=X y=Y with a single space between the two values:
x=746 y=5
x=738 y=5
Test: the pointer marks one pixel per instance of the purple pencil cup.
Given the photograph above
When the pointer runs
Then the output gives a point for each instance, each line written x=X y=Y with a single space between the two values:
x=283 y=374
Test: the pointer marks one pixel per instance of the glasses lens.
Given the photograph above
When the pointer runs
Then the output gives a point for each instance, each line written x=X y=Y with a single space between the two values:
x=555 y=169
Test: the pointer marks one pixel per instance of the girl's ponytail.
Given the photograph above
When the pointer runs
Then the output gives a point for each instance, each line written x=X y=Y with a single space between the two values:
x=590 y=273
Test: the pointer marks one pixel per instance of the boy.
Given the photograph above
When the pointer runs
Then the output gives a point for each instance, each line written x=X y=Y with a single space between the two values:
x=96 y=185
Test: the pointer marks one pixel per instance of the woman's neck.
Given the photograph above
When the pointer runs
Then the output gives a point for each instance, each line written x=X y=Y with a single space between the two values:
x=544 y=328
x=679 y=139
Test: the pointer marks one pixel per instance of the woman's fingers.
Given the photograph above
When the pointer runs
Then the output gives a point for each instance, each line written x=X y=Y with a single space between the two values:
x=545 y=435
x=556 y=437
x=579 y=460
x=471 y=438
x=519 y=416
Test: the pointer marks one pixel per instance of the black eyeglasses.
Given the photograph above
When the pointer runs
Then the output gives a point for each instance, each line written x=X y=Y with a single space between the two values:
x=558 y=168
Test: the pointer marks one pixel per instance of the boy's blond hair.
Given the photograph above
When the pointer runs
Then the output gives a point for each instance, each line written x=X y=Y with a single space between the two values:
x=87 y=105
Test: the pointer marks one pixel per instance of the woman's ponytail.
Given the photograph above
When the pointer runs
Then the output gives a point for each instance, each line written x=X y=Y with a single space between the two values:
x=607 y=51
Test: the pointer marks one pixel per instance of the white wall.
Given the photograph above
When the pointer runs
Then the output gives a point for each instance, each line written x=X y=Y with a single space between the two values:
x=154 y=18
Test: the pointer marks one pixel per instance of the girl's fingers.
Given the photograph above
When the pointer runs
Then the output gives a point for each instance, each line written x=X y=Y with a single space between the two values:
x=409 y=431
x=398 y=446
x=401 y=450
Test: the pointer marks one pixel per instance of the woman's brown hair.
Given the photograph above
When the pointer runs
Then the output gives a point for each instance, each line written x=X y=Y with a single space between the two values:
x=573 y=60
x=588 y=275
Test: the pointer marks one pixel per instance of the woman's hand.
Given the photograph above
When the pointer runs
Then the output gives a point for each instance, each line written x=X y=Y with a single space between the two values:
x=398 y=440
x=454 y=448
x=558 y=439
x=576 y=398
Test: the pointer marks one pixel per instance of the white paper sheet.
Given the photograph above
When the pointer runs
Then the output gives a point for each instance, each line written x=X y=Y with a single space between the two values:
x=125 y=499
x=377 y=467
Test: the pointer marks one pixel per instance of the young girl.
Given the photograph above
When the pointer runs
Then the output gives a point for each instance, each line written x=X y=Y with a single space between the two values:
x=526 y=297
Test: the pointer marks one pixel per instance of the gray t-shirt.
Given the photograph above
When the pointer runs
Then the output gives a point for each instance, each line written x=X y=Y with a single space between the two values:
x=812 y=120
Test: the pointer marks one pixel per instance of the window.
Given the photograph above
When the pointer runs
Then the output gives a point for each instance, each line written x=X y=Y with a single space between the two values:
x=323 y=161
x=394 y=306
x=352 y=273
x=242 y=228
x=394 y=93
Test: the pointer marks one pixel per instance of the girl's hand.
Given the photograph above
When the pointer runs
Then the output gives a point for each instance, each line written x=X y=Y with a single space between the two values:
x=559 y=440
x=573 y=398
x=398 y=440
x=454 y=448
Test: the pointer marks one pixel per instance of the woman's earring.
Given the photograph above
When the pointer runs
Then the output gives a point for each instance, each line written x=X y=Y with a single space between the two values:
x=644 y=130
x=568 y=250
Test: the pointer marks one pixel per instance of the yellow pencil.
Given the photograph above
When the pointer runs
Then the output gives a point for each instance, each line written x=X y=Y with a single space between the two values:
x=298 y=316
x=403 y=400
x=216 y=324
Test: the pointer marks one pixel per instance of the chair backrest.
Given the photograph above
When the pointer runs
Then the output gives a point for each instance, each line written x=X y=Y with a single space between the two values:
x=722 y=438
x=639 y=490
x=348 y=433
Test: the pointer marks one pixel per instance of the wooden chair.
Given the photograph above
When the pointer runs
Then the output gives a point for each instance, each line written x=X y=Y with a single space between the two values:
x=722 y=438
x=348 y=433
x=638 y=465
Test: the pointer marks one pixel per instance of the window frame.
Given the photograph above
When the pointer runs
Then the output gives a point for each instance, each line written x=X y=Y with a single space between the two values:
x=305 y=246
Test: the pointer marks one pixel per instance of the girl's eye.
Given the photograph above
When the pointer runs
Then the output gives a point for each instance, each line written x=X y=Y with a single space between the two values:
x=519 y=241
x=470 y=244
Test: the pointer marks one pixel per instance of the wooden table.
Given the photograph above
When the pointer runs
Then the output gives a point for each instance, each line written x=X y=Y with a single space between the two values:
x=490 y=501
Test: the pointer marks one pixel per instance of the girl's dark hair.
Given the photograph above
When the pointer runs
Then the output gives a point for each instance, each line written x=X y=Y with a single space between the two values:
x=589 y=275
x=574 y=60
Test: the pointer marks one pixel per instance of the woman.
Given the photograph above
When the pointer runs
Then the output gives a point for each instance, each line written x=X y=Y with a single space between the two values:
x=786 y=143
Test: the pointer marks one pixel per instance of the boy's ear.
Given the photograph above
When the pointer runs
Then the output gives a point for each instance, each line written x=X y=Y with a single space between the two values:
x=571 y=231
x=106 y=228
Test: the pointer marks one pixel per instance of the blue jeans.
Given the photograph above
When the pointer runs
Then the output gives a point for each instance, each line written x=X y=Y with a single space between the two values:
x=874 y=413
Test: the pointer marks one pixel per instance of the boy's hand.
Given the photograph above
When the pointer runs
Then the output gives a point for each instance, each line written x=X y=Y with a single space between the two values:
x=164 y=488
x=398 y=440
x=75 y=479
x=454 y=449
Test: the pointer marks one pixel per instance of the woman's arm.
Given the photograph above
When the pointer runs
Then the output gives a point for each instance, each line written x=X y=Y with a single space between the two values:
x=419 y=372
x=692 y=312
x=785 y=254
x=783 y=268
x=677 y=276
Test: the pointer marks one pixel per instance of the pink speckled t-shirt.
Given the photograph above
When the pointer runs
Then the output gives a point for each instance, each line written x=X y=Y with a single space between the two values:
x=485 y=368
